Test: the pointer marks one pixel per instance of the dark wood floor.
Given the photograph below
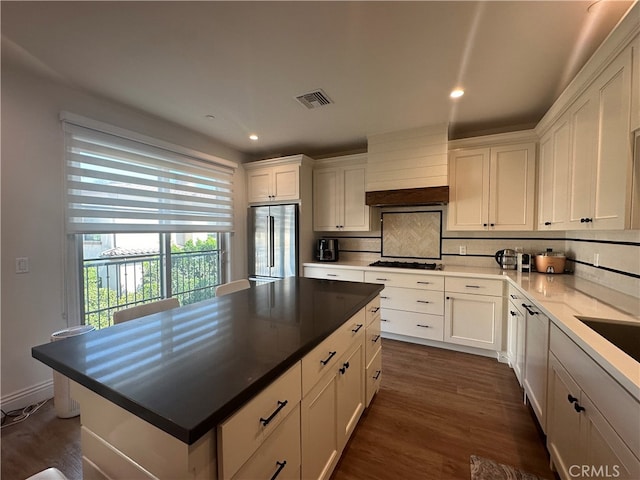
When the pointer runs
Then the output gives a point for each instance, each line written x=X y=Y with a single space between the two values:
x=435 y=408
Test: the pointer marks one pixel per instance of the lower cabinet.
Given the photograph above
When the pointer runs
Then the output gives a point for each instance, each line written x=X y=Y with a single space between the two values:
x=473 y=312
x=535 y=361
x=517 y=331
x=581 y=441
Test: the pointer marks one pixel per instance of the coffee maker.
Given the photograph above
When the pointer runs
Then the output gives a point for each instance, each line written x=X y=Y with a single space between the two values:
x=327 y=250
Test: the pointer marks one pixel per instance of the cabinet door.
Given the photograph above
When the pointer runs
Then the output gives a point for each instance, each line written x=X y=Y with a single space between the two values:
x=286 y=182
x=320 y=448
x=604 y=452
x=584 y=122
x=259 y=185
x=512 y=187
x=518 y=366
x=613 y=156
x=563 y=421
x=555 y=153
x=473 y=320
x=535 y=363
x=356 y=213
x=469 y=189
x=351 y=392
x=325 y=200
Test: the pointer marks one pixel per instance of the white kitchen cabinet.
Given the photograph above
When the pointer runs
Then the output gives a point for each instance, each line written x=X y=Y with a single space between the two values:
x=473 y=312
x=635 y=85
x=553 y=176
x=581 y=432
x=277 y=180
x=329 y=273
x=600 y=184
x=492 y=188
x=333 y=386
x=339 y=194
x=411 y=305
x=517 y=331
x=535 y=361
x=373 y=350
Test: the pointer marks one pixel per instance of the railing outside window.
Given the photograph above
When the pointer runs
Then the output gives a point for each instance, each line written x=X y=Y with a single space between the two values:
x=111 y=284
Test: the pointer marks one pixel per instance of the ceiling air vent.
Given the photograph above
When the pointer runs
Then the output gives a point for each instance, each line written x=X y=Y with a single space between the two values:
x=314 y=99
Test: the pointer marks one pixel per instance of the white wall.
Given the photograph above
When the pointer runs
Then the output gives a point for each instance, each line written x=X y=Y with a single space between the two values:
x=32 y=223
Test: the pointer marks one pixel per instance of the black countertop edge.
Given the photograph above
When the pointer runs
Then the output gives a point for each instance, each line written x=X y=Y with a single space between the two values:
x=193 y=434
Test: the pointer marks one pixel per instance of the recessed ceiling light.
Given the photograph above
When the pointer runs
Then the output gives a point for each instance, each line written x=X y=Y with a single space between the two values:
x=457 y=93
x=253 y=137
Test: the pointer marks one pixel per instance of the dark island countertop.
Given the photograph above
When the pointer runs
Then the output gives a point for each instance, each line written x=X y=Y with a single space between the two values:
x=187 y=369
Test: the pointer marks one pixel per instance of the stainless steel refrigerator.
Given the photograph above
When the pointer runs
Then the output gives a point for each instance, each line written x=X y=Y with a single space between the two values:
x=273 y=241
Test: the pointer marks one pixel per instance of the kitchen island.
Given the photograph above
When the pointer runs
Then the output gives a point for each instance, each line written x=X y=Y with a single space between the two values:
x=155 y=391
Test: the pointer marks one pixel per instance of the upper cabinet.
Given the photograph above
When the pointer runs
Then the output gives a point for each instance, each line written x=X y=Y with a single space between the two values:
x=492 y=187
x=339 y=194
x=275 y=180
x=599 y=187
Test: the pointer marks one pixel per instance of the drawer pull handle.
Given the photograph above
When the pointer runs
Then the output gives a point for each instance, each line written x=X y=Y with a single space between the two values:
x=513 y=314
x=424 y=283
x=571 y=398
x=385 y=298
x=375 y=309
x=358 y=327
x=578 y=408
x=377 y=375
x=383 y=320
x=331 y=354
x=331 y=275
x=344 y=367
x=423 y=301
x=382 y=279
x=472 y=286
x=375 y=339
x=528 y=308
x=422 y=326
x=513 y=296
x=280 y=465
x=281 y=405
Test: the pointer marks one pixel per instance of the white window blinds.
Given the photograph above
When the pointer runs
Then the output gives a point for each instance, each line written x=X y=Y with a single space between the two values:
x=119 y=184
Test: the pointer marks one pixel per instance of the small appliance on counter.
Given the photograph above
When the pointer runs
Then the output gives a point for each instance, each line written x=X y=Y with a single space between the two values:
x=507 y=259
x=327 y=250
x=523 y=262
x=550 y=262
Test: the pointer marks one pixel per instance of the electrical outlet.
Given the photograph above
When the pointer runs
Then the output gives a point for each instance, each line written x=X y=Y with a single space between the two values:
x=596 y=259
x=22 y=265
x=463 y=249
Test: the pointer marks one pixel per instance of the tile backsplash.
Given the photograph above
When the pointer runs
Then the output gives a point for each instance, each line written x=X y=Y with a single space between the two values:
x=618 y=252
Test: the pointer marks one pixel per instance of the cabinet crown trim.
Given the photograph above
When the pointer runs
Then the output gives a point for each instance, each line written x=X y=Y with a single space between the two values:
x=290 y=160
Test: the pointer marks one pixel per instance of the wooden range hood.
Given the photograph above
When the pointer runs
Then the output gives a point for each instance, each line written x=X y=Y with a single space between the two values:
x=408 y=197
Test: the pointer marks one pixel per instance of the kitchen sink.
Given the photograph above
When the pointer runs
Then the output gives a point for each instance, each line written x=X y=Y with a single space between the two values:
x=624 y=335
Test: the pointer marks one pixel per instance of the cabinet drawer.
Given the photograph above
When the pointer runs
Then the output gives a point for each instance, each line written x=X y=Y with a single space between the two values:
x=613 y=401
x=374 y=376
x=422 y=301
x=373 y=310
x=406 y=280
x=325 y=356
x=280 y=454
x=334 y=274
x=373 y=342
x=422 y=325
x=479 y=286
x=242 y=433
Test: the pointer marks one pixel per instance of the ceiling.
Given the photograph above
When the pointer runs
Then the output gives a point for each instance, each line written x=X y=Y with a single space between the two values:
x=387 y=66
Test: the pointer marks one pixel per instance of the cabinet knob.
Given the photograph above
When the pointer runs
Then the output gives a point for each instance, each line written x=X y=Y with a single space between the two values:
x=485 y=224
x=571 y=398
x=513 y=314
x=578 y=408
x=493 y=224
x=344 y=367
x=547 y=223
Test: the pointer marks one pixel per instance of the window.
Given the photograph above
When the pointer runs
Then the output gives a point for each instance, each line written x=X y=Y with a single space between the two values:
x=152 y=218
x=123 y=270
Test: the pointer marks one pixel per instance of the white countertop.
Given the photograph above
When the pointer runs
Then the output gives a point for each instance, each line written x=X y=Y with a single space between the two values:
x=561 y=298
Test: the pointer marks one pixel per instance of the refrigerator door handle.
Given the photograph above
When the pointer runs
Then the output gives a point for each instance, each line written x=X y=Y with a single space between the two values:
x=272 y=246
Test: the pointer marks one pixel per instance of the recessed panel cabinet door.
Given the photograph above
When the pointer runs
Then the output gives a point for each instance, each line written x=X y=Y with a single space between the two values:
x=473 y=320
x=351 y=392
x=326 y=200
x=356 y=213
x=469 y=189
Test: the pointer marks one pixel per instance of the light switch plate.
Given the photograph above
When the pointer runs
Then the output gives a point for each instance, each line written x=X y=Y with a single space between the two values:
x=22 y=265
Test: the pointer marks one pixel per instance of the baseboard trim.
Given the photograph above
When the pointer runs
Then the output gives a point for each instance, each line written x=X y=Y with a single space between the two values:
x=27 y=396
x=447 y=346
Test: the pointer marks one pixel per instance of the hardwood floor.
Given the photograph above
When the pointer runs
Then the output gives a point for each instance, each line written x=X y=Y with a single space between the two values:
x=435 y=408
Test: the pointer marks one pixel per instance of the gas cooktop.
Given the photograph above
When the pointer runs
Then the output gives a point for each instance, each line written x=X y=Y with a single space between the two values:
x=414 y=265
